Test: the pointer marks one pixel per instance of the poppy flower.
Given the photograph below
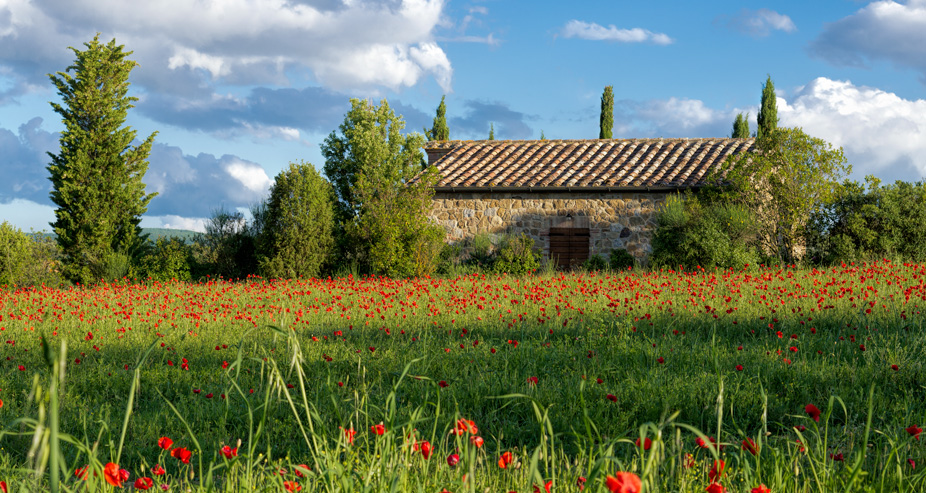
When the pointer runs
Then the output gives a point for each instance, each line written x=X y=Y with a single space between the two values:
x=292 y=486
x=813 y=411
x=707 y=444
x=464 y=426
x=3 y=486
x=112 y=475
x=580 y=482
x=476 y=440
x=157 y=470
x=912 y=463
x=442 y=384
x=716 y=472
x=546 y=487
x=505 y=460
x=301 y=470
x=624 y=482
x=532 y=381
x=425 y=449
x=715 y=488
x=760 y=489
x=750 y=446
x=81 y=472
x=914 y=431
x=453 y=460
x=895 y=367
x=647 y=443
x=229 y=452
x=165 y=443
x=379 y=429
x=181 y=453
x=739 y=367
x=143 y=483
x=349 y=435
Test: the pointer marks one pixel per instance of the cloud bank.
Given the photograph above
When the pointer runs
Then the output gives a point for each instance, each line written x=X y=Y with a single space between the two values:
x=596 y=32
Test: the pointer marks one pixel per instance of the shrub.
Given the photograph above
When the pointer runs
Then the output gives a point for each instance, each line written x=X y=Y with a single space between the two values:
x=227 y=247
x=595 y=263
x=167 y=259
x=15 y=254
x=516 y=256
x=691 y=234
x=28 y=259
x=621 y=259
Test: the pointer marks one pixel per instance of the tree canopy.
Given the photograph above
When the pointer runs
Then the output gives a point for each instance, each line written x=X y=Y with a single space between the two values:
x=767 y=118
x=741 y=127
x=439 y=129
x=97 y=174
x=606 y=120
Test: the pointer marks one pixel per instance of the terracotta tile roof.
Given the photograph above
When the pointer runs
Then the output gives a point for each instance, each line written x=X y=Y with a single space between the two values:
x=579 y=164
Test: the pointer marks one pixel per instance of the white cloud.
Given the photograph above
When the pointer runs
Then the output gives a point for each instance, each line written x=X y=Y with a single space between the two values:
x=597 y=32
x=883 y=30
x=251 y=175
x=242 y=41
x=759 y=23
x=197 y=224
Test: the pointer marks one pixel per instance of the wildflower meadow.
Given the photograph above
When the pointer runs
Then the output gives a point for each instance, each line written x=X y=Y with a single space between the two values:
x=767 y=379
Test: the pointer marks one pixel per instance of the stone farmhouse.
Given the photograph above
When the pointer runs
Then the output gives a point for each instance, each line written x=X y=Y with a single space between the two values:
x=575 y=198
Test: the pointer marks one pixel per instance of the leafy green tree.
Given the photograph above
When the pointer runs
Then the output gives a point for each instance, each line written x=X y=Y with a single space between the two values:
x=542 y=136
x=607 y=114
x=15 y=253
x=383 y=195
x=788 y=179
x=491 y=131
x=297 y=237
x=741 y=127
x=227 y=246
x=768 y=110
x=439 y=130
x=167 y=259
x=97 y=175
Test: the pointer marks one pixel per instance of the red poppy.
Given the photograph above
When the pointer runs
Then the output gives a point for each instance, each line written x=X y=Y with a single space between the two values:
x=301 y=470
x=750 y=446
x=453 y=460
x=912 y=463
x=647 y=443
x=532 y=381
x=181 y=453
x=612 y=397
x=229 y=452
x=81 y=472
x=3 y=486
x=895 y=367
x=349 y=435
x=165 y=443
x=143 y=483
x=716 y=472
x=813 y=411
x=157 y=470
x=739 y=367
x=476 y=440
x=292 y=486
x=442 y=384
x=624 y=482
x=505 y=460
x=425 y=449
x=466 y=426
x=379 y=429
x=914 y=431
x=111 y=474
x=704 y=444
x=715 y=488
x=546 y=487
x=761 y=489
x=580 y=482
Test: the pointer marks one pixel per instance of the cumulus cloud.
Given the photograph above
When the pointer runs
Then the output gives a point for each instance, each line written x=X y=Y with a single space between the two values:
x=758 y=23
x=24 y=162
x=197 y=224
x=479 y=115
x=182 y=45
x=883 y=30
x=597 y=32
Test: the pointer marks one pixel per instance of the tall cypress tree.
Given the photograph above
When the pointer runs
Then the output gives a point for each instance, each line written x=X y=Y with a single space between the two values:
x=768 y=110
x=97 y=175
x=607 y=114
x=741 y=127
x=439 y=130
x=491 y=131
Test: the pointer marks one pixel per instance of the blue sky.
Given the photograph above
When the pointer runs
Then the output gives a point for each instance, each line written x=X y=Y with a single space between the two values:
x=237 y=89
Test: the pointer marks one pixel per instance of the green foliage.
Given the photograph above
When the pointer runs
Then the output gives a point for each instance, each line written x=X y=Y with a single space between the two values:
x=884 y=221
x=595 y=263
x=516 y=256
x=767 y=118
x=606 y=119
x=692 y=234
x=790 y=177
x=542 y=136
x=439 y=129
x=491 y=131
x=621 y=259
x=741 y=127
x=166 y=259
x=97 y=175
x=296 y=236
x=228 y=246
x=15 y=254
x=382 y=194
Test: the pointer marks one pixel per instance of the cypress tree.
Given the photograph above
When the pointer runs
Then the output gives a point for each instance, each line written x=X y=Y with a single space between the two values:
x=97 y=175
x=491 y=131
x=768 y=110
x=741 y=127
x=439 y=130
x=607 y=114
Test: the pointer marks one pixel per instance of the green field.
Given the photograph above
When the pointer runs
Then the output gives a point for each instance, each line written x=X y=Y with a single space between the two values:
x=564 y=373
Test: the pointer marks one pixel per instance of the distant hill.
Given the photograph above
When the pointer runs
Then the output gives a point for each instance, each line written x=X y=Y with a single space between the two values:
x=154 y=234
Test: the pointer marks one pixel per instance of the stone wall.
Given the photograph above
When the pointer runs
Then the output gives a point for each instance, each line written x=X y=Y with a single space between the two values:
x=615 y=220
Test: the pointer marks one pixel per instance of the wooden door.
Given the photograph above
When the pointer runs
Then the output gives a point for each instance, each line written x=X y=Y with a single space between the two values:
x=569 y=247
